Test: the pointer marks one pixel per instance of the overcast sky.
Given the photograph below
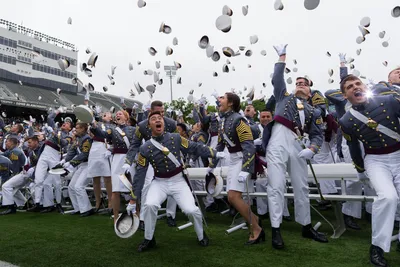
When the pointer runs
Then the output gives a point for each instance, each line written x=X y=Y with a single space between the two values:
x=121 y=33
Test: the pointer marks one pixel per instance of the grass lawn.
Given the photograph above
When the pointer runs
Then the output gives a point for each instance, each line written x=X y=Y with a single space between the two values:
x=28 y=239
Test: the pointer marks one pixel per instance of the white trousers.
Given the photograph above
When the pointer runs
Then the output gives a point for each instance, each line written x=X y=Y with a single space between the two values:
x=384 y=174
x=262 y=202
x=282 y=155
x=171 y=203
x=44 y=181
x=353 y=208
x=76 y=189
x=11 y=190
x=177 y=188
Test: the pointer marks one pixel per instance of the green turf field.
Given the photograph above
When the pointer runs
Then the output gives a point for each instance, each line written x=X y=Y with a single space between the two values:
x=28 y=239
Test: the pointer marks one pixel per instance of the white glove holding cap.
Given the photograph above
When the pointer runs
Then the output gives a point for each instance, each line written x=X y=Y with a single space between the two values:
x=131 y=208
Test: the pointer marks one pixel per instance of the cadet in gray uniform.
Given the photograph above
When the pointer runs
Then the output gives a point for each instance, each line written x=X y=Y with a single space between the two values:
x=375 y=122
x=236 y=135
x=99 y=161
x=390 y=87
x=76 y=162
x=121 y=137
x=163 y=152
x=57 y=140
x=10 y=189
x=143 y=133
x=293 y=116
x=15 y=154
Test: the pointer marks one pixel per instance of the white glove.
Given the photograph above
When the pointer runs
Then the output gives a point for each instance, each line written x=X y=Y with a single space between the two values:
x=306 y=154
x=32 y=119
x=280 y=49
x=29 y=173
x=107 y=154
x=220 y=155
x=69 y=167
x=62 y=109
x=215 y=94
x=122 y=100
x=61 y=162
x=243 y=177
x=125 y=168
x=363 y=177
x=191 y=163
x=135 y=106
x=98 y=109
x=342 y=58
x=131 y=208
x=258 y=142
x=49 y=129
x=210 y=170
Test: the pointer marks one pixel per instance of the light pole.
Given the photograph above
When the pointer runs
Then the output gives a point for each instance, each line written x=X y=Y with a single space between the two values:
x=170 y=71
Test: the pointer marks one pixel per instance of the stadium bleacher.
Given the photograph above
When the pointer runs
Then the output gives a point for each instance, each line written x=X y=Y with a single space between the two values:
x=49 y=99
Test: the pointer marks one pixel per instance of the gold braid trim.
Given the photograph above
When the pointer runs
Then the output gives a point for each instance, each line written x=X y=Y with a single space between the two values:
x=185 y=142
x=244 y=132
x=141 y=160
x=248 y=161
x=137 y=132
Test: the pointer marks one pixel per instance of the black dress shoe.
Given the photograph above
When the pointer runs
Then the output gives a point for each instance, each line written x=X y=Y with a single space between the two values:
x=287 y=218
x=47 y=210
x=309 y=232
x=75 y=213
x=171 y=221
x=277 y=241
x=141 y=226
x=60 y=208
x=35 y=208
x=11 y=210
x=87 y=213
x=261 y=237
x=350 y=223
x=376 y=256
x=398 y=246
x=212 y=208
x=147 y=244
x=205 y=241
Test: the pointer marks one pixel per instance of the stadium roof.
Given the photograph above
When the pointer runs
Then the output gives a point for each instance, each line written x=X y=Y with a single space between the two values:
x=28 y=96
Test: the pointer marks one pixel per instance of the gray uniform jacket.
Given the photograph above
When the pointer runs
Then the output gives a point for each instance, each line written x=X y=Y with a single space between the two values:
x=79 y=150
x=143 y=131
x=162 y=165
x=117 y=139
x=384 y=110
x=236 y=135
x=287 y=112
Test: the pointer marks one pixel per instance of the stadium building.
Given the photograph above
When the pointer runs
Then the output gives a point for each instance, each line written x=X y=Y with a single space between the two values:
x=30 y=75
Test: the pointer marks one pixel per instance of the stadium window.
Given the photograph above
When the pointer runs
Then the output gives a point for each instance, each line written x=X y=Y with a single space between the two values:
x=6 y=41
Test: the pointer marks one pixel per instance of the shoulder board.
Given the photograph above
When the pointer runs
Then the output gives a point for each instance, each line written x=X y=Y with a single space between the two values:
x=137 y=132
x=141 y=160
x=201 y=138
x=185 y=142
x=244 y=132
x=86 y=146
x=13 y=156
x=317 y=99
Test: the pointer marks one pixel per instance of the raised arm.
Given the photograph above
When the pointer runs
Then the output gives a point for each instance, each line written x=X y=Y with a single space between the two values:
x=278 y=80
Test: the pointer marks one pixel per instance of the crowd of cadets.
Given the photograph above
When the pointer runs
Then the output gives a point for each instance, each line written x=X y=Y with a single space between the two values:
x=293 y=129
